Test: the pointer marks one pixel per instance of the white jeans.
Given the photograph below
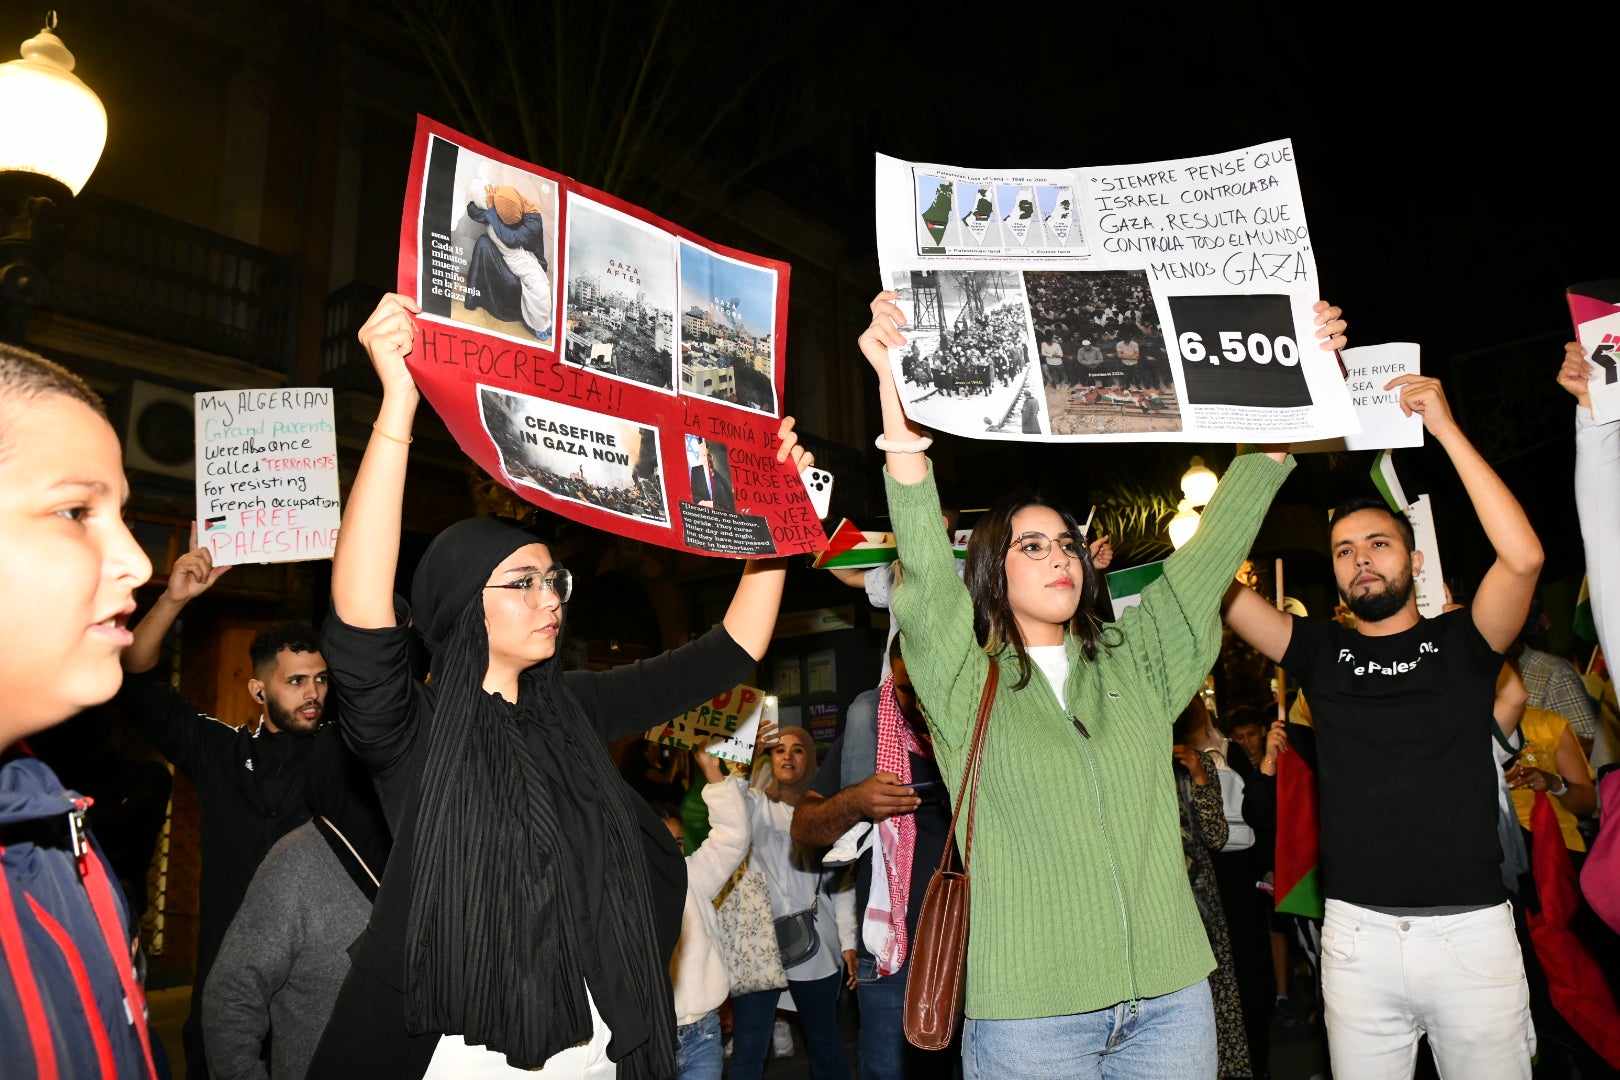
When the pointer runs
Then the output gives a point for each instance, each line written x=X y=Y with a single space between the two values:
x=1387 y=979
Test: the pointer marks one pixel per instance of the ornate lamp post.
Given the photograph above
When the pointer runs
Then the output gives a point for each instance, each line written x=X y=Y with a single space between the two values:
x=52 y=131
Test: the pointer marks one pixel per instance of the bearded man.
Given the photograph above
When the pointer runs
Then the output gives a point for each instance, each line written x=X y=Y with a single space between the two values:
x=1418 y=936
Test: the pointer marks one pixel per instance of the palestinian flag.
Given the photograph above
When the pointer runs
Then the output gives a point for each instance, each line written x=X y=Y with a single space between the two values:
x=1298 y=868
x=850 y=548
x=1575 y=982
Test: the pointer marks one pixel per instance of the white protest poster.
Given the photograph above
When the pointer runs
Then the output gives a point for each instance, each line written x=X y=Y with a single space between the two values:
x=267 y=476
x=1595 y=308
x=1168 y=301
x=1368 y=369
x=1429 y=582
x=727 y=724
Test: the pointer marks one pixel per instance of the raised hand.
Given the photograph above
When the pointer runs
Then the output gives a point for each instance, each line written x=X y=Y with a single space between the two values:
x=193 y=573
x=388 y=336
x=1102 y=552
x=707 y=764
x=1574 y=372
x=1189 y=759
x=1424 y=396
x=802 y=457
x=1330 y=326
x=884 y=332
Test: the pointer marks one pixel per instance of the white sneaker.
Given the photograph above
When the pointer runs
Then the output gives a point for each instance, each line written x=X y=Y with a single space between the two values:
x=781 y=1040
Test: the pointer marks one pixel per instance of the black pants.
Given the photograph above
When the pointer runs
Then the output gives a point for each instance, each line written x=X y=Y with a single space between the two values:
x=366 y=1035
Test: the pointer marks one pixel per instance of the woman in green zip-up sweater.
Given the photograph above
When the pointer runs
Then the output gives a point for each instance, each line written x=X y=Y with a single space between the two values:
x=1086 y=956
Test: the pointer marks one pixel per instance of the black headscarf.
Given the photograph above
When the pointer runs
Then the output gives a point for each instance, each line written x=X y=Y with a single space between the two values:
x=529 y=878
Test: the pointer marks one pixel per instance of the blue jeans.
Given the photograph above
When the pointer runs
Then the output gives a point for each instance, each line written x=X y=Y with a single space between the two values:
x=1173 y=1035
x=753 y=1014
x=698 y=1053
x=884 y=1052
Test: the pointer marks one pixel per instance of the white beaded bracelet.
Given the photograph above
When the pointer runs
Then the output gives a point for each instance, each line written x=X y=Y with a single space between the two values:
x=915 y=446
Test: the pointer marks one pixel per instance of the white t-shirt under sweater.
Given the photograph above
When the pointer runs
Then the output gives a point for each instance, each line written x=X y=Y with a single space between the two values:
x=1053 y=661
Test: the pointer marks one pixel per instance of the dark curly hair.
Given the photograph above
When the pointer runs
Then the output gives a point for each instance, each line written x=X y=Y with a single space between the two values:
x=293 y=637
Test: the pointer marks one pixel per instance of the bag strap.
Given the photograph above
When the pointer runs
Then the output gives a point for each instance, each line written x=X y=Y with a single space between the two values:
x=970 y=772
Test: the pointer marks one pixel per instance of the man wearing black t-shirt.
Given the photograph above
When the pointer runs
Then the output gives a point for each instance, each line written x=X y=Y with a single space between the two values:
x=853 y=787
x=1418 y=937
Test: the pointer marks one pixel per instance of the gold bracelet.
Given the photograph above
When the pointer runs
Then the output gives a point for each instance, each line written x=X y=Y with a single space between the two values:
x=391 y=438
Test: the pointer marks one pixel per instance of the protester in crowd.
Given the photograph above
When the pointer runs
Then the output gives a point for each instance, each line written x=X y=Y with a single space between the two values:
x=524 y=871
x=880 y=792
x=250 y=780
x=1417 y=939
x=1204 y=829
x=1552 y=681
x=800 y=888
x=70 y=1004
x=1551 y=760
x=1084 y=938
x=697 y=970
x=285 y=955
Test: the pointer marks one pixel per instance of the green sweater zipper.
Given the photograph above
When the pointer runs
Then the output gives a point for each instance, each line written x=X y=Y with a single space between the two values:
x=1080 y=893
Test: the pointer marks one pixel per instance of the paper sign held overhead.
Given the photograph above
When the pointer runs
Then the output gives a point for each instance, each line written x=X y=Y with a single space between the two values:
x=267 y=476
x=1368 y=369
x=600 y=361
x=1167 y=301
x=1595 y=308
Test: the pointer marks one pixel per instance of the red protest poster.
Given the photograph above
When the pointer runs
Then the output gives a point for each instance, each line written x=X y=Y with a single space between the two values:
x=598 y=360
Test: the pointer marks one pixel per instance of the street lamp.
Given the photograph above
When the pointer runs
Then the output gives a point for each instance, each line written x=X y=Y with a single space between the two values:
x=52 y=131
x=1198 y=483
x=1184 y=524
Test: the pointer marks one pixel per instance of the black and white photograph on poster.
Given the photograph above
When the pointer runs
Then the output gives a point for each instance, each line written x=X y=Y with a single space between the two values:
x=1103 y=361
x=1018 y=216
x=710 y=468
x=976 y=209
x=488 y=243
x=1060 y=215
x=936 y=213
x=1239 y=349
x=622 y=290
x=969 y=360
x=727 y=330
x=573 y=454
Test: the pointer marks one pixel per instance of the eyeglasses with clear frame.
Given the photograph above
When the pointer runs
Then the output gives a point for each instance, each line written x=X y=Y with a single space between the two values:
x=530 y=586
x=1038 y=546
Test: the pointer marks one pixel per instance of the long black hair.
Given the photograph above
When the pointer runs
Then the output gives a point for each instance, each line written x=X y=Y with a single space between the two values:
x=986 y=578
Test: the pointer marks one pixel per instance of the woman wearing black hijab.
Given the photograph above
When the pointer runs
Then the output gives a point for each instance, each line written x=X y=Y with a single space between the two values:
x=532 y=902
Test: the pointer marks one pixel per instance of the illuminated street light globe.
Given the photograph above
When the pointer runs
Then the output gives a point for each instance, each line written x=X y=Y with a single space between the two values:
x=1184 y=524
x=1198 y=483
x=50 y=122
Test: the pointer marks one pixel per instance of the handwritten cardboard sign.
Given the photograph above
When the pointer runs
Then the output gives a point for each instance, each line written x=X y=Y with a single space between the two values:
x=727 y=724
x=267 y=477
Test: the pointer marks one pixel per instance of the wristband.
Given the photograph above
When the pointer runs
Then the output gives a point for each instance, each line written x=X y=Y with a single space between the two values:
x=1563 y=786
x=916 y=446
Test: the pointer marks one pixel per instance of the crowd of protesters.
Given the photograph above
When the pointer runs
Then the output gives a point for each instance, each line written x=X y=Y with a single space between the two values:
x=455 y=878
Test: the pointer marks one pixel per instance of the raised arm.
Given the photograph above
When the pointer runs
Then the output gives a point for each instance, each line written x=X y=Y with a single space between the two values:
x=192 y=574
x=367 y=554
x=1504 y=595
x=751 y=618
x=898 y=429
x=1257 y=622
x=1597 y=498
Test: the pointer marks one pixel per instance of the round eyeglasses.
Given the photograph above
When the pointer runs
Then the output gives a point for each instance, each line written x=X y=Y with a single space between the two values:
x=530 y=586
x=1039 y=546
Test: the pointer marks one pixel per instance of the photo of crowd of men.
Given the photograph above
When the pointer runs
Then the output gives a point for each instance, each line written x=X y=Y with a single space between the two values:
x=577 y=455
x=1102 y=354
x=969 y=356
